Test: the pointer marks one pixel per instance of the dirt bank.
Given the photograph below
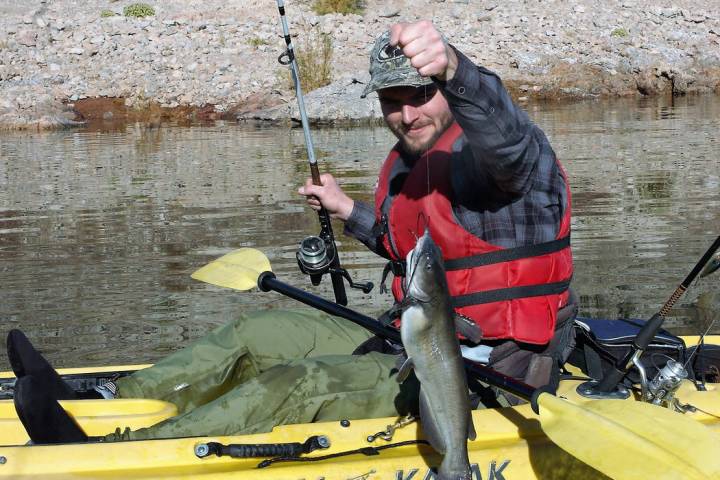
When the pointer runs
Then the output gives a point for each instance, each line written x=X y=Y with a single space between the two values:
x=215 y=59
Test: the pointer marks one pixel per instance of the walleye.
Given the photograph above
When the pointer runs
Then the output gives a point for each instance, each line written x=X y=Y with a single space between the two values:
x=428 y=334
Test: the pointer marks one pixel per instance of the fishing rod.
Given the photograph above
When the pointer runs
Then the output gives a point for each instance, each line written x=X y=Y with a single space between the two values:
x=610 y=386
x=317 y=255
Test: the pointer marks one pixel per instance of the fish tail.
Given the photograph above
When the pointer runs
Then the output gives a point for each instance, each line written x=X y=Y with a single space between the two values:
x=455 y=467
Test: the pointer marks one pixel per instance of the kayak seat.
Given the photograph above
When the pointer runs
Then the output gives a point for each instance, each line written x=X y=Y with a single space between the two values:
x=622 y=331
x=96 y=417
x=600 y=342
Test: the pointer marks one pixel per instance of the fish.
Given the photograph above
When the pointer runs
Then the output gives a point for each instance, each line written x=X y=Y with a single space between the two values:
x=711 y=266
x=428 y=333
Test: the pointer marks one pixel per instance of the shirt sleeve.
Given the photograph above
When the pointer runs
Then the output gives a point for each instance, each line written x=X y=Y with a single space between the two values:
x=361 y=225
x=505 y=144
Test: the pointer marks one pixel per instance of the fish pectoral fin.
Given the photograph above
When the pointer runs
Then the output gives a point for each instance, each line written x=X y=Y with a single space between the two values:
x=404 y=369
x=471 y=427
x=430 y=425
x=467 y=328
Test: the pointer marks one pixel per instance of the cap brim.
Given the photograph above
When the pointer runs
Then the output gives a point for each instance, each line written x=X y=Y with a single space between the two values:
x=418 y=81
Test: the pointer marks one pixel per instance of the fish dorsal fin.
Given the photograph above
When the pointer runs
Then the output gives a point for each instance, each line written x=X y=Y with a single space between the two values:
x=404 y=369
x=467 y=328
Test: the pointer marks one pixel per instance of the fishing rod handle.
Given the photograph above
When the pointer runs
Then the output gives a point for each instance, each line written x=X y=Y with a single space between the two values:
x=612 y=378
x=647 y=333
x=315 y=174
x=339 y=289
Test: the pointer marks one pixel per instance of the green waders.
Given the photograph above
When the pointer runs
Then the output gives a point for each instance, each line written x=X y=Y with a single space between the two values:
x=265 y=369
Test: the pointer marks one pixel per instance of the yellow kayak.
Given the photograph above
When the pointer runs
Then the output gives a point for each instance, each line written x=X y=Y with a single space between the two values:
x=510 y=444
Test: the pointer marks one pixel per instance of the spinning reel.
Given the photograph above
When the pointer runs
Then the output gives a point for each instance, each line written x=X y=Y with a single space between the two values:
x=317 y=257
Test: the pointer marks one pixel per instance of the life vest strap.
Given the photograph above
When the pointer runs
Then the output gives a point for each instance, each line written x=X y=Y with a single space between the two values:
x=508 y=254
x=511 y=293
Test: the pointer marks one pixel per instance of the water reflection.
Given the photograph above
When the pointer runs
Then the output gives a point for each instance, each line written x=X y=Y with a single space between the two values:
x=99 y=230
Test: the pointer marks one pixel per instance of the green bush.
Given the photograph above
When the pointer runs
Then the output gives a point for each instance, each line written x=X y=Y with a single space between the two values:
x=619 y=32
x=139 y=10
x=314 y=62
x=107 y=13
x=323 y=7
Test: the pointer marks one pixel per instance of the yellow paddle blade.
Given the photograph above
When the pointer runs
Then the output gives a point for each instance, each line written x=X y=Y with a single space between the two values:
x=238 y=270
x=631 y=440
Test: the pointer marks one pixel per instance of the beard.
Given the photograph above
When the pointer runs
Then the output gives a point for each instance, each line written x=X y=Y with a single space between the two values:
x=414 y=147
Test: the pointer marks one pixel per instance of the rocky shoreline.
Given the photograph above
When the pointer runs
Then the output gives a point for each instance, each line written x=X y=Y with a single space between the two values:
x=69 y=61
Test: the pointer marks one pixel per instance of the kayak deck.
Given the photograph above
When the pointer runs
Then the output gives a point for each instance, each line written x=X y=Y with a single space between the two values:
x=510 y=444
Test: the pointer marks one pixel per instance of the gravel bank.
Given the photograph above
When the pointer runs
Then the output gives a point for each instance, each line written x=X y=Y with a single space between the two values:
x=219 y=58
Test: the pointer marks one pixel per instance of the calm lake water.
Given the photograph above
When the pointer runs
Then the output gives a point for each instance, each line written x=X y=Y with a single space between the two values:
x=100 y=230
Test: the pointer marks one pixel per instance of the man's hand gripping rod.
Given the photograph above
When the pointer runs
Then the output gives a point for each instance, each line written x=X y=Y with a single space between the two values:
x=317 y=255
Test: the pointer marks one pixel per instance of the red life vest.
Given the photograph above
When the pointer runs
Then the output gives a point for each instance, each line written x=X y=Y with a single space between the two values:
x=511 y=293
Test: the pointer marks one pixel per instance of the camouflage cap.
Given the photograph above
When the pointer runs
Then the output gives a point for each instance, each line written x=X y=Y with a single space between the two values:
x=390 y=68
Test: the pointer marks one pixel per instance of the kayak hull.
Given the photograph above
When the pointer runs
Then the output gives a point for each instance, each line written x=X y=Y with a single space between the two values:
x=510 y=445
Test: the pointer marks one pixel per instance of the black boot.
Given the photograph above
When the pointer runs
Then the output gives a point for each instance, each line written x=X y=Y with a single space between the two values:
x=42 y=416
x=25 y=360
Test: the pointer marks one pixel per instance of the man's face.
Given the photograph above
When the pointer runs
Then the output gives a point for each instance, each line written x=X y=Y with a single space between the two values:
x=416 y=115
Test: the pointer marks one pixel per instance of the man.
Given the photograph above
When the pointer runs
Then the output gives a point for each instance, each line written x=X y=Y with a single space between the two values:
x=491 y=190
x=490 y=187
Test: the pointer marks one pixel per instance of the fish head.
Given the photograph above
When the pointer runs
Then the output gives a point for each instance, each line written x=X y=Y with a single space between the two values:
x=425 y=275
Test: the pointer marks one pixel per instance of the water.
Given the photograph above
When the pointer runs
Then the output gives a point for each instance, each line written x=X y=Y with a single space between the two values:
x=100 y=230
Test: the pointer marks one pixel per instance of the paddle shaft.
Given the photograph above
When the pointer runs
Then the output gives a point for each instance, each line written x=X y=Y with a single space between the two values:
x=267 y=282
x=611 y=380
x=326 y=232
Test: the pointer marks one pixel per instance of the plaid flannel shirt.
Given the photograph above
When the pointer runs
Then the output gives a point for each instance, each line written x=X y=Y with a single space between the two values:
x=507 y=186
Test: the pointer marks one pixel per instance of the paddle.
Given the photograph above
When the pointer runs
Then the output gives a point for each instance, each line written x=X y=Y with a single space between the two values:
x=622 y=439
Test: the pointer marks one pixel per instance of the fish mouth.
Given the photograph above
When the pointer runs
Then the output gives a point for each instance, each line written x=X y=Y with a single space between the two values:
x=414 y=294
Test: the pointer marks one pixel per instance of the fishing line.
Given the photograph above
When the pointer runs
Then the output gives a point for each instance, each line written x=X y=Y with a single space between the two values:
x=700 y=342
x=427 y=147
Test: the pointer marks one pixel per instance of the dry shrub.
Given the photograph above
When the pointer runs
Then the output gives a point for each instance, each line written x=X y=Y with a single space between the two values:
x=323 y=7
x=314 y=58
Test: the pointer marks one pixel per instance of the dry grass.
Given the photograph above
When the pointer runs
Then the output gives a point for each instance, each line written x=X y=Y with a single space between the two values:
x=323 y=7
x=314 y=59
